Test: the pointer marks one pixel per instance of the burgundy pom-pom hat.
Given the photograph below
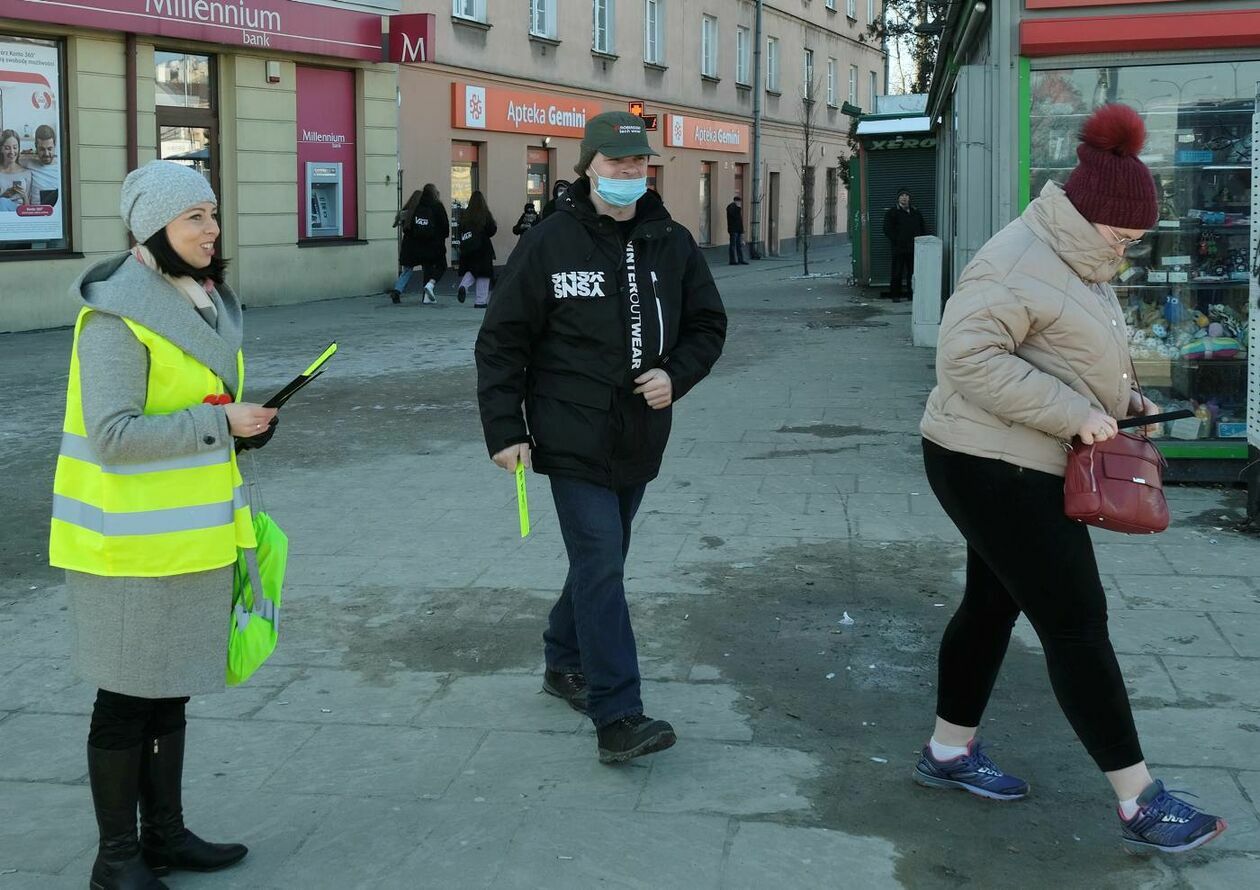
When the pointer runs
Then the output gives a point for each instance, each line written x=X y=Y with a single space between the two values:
x=1111 y=185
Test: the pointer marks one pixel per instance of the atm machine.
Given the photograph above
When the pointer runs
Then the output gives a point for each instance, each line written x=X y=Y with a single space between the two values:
x=323 y=194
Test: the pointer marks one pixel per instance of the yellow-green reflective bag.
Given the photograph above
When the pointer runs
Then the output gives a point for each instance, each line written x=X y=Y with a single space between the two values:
x=254 y=624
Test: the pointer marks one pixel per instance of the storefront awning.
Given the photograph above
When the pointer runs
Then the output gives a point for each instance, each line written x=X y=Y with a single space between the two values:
x=892 y=126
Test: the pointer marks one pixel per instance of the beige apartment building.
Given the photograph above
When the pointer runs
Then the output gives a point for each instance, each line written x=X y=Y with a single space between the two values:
x=284 y=105
x=502 y=99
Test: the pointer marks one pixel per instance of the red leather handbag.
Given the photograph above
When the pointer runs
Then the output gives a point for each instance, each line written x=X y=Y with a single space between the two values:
x=1117 y=485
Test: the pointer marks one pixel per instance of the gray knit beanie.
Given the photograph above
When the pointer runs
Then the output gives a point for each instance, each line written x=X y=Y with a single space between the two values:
x=158 y=192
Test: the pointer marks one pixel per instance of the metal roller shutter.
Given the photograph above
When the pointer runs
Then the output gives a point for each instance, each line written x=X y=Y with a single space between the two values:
x=887 y=173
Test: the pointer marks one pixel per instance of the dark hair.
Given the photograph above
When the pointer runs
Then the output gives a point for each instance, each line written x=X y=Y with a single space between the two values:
x=477 y=214
x=174 y=265
x=530 y=206
x=905 y=192
x=429 y=194
x=408 y=212
x=44 y=132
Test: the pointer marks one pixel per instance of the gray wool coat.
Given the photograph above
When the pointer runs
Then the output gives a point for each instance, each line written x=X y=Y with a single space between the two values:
x=150 y=637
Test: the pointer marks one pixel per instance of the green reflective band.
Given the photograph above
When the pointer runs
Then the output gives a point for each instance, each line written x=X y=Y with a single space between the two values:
x=522 y=499
x=77 y=447
x=147 y=522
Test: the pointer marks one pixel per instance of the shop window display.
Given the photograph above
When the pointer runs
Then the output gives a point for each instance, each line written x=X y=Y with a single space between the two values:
x=1185 y=287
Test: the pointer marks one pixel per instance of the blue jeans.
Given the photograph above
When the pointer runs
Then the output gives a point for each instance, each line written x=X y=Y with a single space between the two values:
x=589 y=627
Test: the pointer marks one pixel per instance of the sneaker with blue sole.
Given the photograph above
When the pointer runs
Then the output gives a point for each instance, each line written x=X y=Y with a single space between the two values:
x=973 y=772
x=1167 y=824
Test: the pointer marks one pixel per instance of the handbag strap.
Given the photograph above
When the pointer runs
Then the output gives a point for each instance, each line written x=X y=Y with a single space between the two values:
x=253 y=488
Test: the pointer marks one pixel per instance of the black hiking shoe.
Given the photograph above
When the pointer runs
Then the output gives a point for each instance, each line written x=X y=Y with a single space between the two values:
x=632 y=737
x=395 y=296
x=570 y=687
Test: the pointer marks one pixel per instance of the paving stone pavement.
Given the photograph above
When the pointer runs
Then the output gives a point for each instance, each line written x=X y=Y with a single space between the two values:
x=398 y=738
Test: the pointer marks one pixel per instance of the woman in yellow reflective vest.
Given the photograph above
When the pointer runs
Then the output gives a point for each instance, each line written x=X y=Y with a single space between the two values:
x=148 y=513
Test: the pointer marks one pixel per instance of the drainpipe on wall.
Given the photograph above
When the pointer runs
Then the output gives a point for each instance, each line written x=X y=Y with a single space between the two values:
x=754 y=250
x=133 y=114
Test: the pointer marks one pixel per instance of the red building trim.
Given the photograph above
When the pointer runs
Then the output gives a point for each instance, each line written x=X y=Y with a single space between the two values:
x=1069 y=4
x=1140 y=33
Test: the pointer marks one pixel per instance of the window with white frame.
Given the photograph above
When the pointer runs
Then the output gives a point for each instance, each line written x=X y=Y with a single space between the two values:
x=542 y=18
x=874 y=92
x=474 y=10
x=602 y=26
x=708 y=46
x=870 y=11
x=831 y=82
x=853 y=81
x=807 y=73
x=772 y=64
x=850 y=9
x=831 y=4
x=653 y=46
x=743 y=47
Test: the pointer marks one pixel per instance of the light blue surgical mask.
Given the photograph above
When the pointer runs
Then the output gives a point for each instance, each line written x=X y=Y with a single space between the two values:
x=620 y=192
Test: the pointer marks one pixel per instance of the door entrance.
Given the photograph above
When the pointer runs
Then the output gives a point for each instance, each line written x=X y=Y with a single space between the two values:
x=706 y=203
x=772 y=228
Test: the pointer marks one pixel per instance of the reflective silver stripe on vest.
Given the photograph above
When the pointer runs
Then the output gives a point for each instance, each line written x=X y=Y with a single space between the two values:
x=78 y=448
x=147 y=522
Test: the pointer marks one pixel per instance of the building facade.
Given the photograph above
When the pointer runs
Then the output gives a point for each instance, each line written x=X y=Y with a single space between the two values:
x=1012 y=85
x=285 y=106
x=501 y=102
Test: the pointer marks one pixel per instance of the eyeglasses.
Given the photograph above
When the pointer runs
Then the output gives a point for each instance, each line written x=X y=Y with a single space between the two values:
x=1122 y=242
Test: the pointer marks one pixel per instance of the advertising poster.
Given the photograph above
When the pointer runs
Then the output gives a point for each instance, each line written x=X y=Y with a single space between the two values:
x=31 y=187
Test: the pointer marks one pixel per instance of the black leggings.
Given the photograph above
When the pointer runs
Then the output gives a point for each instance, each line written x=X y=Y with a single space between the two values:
x=124 y=721
x=1024 y=555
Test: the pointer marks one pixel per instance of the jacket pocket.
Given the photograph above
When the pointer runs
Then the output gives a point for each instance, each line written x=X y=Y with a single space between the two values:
x=570 y=415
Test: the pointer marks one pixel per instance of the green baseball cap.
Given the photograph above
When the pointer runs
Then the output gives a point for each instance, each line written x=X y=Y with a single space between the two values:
x=616 y=134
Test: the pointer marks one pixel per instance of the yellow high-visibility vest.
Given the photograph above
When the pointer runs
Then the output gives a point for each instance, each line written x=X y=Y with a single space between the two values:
x=164 y=517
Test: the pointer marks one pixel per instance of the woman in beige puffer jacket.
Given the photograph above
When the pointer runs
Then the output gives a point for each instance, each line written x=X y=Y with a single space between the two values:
x=1034 y=351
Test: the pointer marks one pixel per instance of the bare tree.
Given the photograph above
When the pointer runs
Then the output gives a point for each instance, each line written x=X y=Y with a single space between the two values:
x=912 y=23
x=806 y=154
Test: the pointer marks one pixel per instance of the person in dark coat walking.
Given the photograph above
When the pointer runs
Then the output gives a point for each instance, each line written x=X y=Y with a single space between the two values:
x=476 y=249
x=425 y=228
x=527 y=220
x=902 y=224
x=606 y=314
x=561 y=186
x=735 y=230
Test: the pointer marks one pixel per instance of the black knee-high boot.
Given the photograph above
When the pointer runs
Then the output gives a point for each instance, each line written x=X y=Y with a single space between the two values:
x=115 y=780
x=166 y=843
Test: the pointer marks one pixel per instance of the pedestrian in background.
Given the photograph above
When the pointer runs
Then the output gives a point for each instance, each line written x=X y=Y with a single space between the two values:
x=527 y=220
x=425 y=228
x=735 y=231
x=148 y=513
x=561 y=186
x=476 y=230
x=902 y=224
x=605 y=316
x=1033 y=353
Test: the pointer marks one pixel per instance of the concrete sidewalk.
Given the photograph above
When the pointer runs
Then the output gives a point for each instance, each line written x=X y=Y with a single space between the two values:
x=398 y=738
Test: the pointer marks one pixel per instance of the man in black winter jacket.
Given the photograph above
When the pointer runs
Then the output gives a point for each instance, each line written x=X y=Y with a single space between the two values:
x=735 y=231
x=902 y=224
x=604 y=316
